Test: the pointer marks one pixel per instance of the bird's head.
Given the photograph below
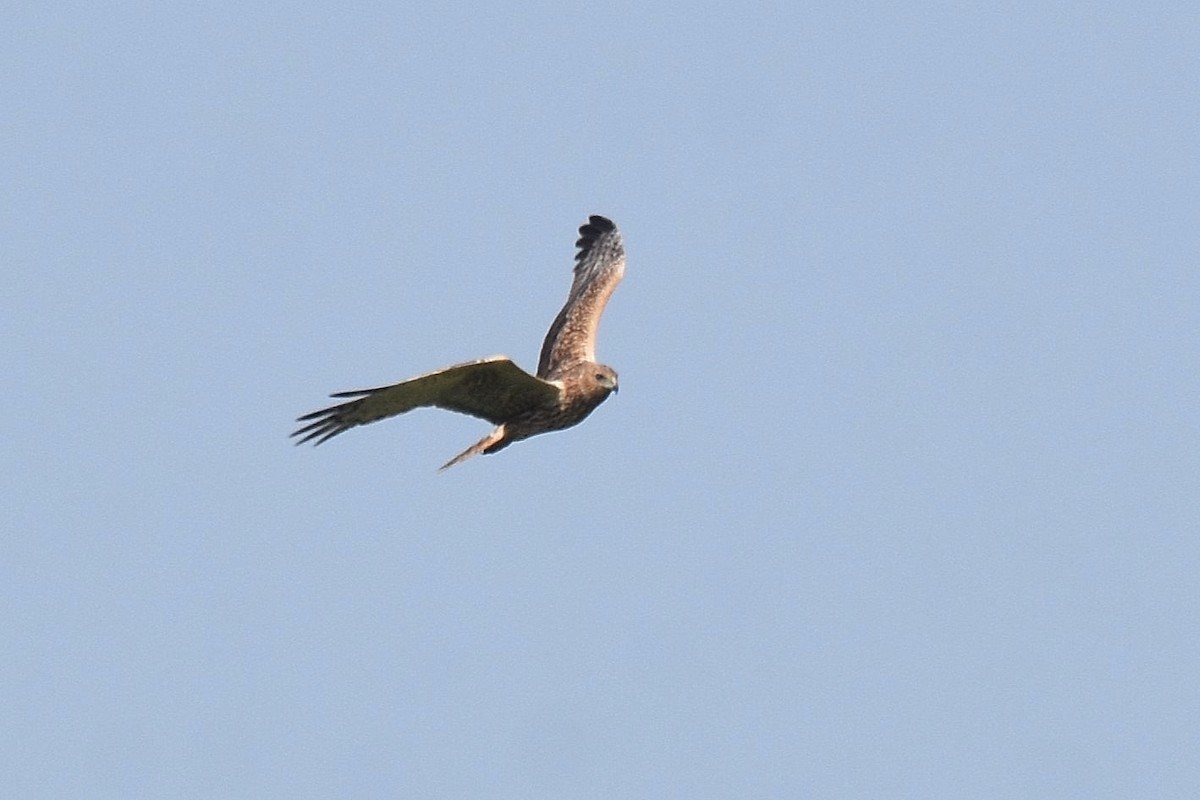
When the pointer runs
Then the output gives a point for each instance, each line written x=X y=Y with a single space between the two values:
x=604 y=378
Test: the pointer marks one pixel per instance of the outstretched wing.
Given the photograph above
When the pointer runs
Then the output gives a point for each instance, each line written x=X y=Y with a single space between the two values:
x=599 y=266
x=493 y=388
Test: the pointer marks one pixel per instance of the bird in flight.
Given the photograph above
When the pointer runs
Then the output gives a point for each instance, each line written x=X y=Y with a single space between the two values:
x=569 y=384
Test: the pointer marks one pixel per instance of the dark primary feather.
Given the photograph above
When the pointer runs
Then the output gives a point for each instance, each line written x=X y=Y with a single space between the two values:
x=493 y=388
x=599 y=267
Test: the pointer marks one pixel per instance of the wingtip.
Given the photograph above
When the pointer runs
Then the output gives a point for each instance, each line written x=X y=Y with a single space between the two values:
x=590 y=232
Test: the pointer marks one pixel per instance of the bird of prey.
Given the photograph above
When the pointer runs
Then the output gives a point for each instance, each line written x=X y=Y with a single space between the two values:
x=569 y=384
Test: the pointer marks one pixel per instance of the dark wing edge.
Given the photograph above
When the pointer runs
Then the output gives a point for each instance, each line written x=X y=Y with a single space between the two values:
x=492 y=388
x=599 y=267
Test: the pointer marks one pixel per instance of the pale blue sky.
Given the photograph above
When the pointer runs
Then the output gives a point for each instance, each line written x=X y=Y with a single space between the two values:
x=900 y=497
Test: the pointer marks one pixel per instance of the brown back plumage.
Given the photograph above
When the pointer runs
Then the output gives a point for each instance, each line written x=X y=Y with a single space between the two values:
x=599 y=267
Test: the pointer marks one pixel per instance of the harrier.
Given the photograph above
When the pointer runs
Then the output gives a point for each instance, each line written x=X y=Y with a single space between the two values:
x=569 y=384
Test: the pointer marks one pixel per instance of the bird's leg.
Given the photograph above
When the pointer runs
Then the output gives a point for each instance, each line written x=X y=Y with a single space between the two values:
x=495 y=437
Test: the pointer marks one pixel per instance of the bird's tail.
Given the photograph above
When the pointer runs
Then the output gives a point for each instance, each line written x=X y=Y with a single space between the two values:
x=495 y=437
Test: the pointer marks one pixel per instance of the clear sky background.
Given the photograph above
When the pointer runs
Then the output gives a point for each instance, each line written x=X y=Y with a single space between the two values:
x=900 y=497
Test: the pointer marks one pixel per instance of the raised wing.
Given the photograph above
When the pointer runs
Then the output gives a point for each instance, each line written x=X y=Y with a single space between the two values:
x=493 y=388
x=599 y=267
